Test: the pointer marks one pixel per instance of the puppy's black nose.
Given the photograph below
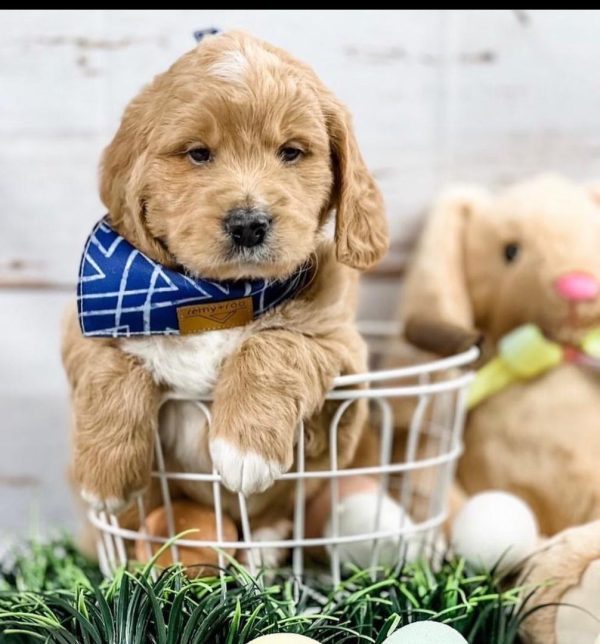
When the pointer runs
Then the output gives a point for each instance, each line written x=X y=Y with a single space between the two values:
x=247 y=227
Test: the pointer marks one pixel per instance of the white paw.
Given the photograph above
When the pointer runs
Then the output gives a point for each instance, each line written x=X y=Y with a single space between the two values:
x=111 y=504
x=247 y=473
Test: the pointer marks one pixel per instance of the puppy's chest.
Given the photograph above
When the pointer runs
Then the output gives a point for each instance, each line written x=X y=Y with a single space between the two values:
x=188 y=365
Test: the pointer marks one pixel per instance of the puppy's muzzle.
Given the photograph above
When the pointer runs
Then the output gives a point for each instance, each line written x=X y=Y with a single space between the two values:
x=247 y=227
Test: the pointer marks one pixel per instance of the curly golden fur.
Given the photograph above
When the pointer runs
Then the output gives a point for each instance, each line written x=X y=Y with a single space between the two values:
x=240 y=101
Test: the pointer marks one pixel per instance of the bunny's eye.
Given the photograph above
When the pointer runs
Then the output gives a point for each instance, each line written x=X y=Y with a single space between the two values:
x=511 y=252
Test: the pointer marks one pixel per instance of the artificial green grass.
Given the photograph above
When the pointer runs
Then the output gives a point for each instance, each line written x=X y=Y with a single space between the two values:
x=50 y=593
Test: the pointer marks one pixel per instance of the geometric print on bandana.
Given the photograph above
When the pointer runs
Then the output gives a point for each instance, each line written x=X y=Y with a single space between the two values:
x=122 y=293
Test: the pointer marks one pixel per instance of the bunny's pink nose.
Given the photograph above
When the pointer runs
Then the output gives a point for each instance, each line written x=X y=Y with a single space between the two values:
x=577 y=287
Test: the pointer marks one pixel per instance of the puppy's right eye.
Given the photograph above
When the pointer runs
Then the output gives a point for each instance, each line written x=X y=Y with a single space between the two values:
x=199 y=156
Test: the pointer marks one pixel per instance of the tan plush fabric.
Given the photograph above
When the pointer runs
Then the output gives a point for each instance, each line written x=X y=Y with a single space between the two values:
x=568 y=569
x=540 y=439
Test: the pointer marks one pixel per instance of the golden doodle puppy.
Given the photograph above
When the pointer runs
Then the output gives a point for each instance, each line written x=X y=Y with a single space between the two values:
x=228 y=167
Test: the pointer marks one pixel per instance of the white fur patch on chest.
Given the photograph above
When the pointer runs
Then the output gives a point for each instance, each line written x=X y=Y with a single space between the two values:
x=189 y=365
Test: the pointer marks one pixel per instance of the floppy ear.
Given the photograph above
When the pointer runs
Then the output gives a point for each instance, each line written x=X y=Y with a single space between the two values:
x=436 y=289
x=361 y=231
x=122 y=173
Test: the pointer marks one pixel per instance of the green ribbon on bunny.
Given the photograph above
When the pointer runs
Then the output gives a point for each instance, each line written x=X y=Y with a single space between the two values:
x=525 y=353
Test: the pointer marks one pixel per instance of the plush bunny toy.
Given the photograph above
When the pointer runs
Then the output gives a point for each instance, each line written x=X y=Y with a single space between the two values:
x=529 y=255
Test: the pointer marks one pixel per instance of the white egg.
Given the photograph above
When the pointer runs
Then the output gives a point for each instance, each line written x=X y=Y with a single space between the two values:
x=283 y=638
x=357 y=514
x=494 y=527
x=426 y=633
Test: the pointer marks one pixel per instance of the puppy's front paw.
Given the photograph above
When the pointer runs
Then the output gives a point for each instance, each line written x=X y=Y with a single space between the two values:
x=110 y=504
x=244 y=471
x=111 y=482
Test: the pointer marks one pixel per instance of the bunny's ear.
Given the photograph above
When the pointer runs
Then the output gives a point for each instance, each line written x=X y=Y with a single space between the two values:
x=436 y=286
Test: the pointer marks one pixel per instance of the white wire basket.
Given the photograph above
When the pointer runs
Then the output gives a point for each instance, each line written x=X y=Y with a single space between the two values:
x=417 y=474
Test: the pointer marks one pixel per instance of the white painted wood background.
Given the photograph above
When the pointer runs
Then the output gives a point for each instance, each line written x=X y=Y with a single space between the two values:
x=437 y=95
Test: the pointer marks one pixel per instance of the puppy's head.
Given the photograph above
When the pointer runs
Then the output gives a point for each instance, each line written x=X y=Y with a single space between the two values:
x=229 y=164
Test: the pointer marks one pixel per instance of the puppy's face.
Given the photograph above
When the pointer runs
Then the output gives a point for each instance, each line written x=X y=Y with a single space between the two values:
x=230 y=159
x=241 y=175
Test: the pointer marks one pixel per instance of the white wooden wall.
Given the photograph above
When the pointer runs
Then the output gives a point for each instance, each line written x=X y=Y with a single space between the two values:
x=437 y=95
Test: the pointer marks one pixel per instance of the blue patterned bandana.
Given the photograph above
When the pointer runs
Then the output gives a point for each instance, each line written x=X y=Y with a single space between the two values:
x=122 y=293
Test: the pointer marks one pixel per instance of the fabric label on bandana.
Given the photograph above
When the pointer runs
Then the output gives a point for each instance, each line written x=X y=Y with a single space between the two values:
x=209 y=317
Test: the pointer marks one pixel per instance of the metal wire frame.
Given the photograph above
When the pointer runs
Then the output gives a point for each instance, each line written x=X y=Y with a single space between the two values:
x=438 y=417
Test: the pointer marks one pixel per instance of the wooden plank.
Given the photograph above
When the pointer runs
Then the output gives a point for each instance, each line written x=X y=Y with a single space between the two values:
x=71 y=73
x=34 y=425
x=524 y=97
x=473 y=95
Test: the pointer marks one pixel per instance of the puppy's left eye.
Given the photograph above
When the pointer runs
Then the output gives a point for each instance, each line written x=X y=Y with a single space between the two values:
x=290 y=154
x=199 y=156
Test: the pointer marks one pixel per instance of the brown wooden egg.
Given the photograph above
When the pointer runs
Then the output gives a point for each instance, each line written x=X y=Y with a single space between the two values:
x=187 y=516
